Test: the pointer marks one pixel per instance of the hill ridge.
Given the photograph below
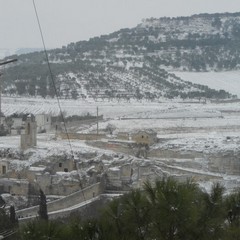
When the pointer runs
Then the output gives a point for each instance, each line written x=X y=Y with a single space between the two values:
x=135 y=63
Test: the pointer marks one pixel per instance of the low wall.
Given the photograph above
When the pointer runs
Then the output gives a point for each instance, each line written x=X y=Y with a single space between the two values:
x=66 y=202
x=114 y=146
x=82 y=136
x=87 y=210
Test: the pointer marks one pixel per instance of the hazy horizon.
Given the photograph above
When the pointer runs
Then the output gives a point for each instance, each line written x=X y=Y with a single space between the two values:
x=69 y=21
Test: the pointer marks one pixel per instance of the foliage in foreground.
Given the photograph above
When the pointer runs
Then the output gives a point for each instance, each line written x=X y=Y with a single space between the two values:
x=169 y=210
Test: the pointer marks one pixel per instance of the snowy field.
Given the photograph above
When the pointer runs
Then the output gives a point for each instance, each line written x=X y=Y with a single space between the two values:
x=114 y=109
x=187 y=126
x=228 y=81
x=207 y=129
x=111 y=109
x=129 y=116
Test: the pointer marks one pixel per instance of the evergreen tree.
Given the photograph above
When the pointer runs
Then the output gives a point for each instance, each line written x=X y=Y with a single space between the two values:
x=13 y=218
x=40 y=230
x=43 y=206
x=5 y=223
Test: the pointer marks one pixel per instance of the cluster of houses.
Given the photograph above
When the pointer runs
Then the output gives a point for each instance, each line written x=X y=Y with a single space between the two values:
x=61 y=175
x=15 y=124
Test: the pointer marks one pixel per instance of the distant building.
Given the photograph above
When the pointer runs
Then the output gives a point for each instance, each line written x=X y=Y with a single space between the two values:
x=144 y=137
x=63 y=165
x=14 y=186
x=17 y=122
x=4 y=167
x=17 y=126
x=29 y=138
x=43 y=122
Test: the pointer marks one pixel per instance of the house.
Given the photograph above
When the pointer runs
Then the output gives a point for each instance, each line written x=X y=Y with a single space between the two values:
x=17 y=127
x=144 y=137
x=64 y=166
x=61 y=163
x=43 y=122
x=17 y=122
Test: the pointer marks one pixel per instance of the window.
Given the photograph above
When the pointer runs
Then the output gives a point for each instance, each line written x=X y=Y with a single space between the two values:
x=60 y=165
x=4 y=169
x=28 y=129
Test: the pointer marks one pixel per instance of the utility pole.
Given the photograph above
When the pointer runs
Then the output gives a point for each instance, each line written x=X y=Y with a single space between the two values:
x=3 y=63
x=97 y=120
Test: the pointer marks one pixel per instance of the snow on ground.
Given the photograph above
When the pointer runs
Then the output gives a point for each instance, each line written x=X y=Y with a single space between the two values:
x=111 y=109
x=134 y=109
x=185 y=122
x=228 y=81
x=46 y=146
x=186 y=126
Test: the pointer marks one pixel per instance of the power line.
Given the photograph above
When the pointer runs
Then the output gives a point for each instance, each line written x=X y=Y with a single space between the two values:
x=51 y=75
x=54 y=84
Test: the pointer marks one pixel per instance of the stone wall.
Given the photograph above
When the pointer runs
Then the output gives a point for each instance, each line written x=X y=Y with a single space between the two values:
x=54 y=185
x=114 y=146
x=14 y=186
x=66 y=202
x=87 y=210
x=82 y=136
x=123 y=136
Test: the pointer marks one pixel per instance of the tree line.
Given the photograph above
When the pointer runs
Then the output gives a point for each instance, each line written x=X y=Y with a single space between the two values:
x=166 y=210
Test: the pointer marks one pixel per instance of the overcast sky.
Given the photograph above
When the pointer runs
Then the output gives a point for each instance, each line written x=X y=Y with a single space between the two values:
x=65 y=21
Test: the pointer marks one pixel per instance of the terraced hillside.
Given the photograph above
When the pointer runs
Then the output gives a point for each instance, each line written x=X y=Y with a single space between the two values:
x=134 y=63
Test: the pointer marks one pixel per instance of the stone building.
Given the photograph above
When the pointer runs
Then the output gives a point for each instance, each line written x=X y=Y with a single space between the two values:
x=29 y=138
x=143 y=140
x=62 y=164
x=33 y=171
x=4 y=167
x=119 y=177
x=14 y=186
x=17 y=122
x=145 y=137
x=43 y=122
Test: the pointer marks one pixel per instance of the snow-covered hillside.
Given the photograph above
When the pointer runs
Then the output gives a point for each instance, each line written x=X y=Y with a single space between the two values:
x=228 y=81
x=134 y=63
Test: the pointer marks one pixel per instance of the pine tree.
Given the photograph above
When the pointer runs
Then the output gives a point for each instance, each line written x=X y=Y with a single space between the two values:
x=12 y=216
x=43 y=206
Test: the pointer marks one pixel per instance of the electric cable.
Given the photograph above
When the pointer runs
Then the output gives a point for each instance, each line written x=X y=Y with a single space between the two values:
x=51 y=76
x=55 y=89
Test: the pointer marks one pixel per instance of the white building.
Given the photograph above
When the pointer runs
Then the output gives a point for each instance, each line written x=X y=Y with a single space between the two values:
x=43 y=122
